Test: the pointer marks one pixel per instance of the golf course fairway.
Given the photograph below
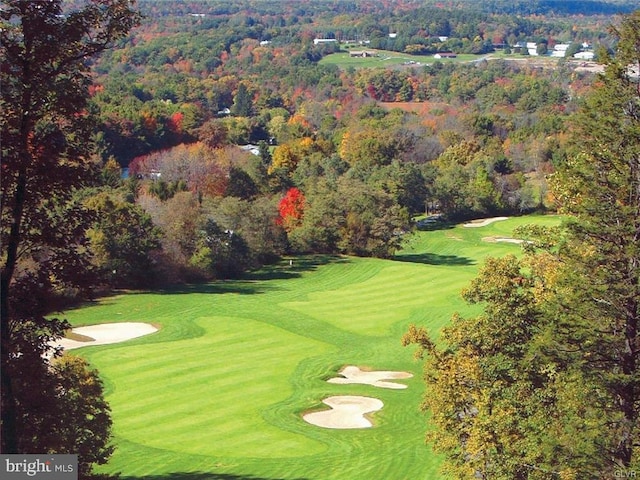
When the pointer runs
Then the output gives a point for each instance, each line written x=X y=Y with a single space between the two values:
x=219 y=391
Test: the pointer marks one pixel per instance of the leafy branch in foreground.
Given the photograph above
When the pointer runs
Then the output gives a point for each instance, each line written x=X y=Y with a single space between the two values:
x=45 y=128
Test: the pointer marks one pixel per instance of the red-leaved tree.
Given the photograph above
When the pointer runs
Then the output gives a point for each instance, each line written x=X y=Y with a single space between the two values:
x=291 y=209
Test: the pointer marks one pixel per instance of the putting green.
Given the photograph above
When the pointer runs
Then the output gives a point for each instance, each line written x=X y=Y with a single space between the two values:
x=220 y=390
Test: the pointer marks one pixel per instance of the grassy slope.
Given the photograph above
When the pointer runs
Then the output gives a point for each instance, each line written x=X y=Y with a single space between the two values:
x=221 y=387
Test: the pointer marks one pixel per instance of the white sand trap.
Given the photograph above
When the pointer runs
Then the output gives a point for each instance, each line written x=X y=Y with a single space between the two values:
x=484 y=222
x=346 y=412
x=510 y=240
x=351 y=374
x=106 y=333
x=503 y=239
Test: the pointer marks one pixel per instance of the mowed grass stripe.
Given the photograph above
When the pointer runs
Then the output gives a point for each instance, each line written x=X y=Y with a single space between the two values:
x=221 y=388
x=180 y=387
x=368 y=307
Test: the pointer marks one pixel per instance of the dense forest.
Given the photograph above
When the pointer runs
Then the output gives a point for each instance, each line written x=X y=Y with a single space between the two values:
x=217 y=140
x=221 y=112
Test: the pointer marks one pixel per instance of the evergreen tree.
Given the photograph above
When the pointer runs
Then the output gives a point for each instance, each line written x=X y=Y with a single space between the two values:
x=242 y=102
x=546 y=382
x=599 y=296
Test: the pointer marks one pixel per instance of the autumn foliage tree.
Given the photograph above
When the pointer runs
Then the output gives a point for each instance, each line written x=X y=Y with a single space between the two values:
x=545 y=383
x=291 y=209
x=46 y=131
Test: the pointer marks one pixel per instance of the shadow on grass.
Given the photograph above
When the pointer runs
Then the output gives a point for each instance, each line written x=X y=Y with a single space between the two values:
x=294 y=267
x=195 y=476
x=434 y=259
x=251 y=283
x=219 y=287
x=434 y=226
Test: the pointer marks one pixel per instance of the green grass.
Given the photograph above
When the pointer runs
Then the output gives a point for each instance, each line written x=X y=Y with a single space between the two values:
x=219 y=391
x=386 y=58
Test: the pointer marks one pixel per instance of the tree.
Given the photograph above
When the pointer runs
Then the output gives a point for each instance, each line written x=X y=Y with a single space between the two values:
x=406 y=183
x=321 y=225
x=122 y=238
x=256 y=222
x=242 y=102
x=600 y=189
x=82 y=416
x=546 y=382
x=111 y=173
x=59 y=406
x=285 y=159
x=372 y=223
x=45 y=130
x=220 y=253
x=291 y=208
x=502 y=408
x=542 y=48
x=240 y=184
x=213 y=134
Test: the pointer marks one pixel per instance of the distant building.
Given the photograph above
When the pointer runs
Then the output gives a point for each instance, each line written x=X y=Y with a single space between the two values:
x=361 y=53
x=393 y=35
x=560 y=50
x=584 y=55
x=445 y=55
x=253 y=149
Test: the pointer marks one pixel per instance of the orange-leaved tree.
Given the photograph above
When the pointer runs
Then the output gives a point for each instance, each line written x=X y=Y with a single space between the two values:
x=291 y=209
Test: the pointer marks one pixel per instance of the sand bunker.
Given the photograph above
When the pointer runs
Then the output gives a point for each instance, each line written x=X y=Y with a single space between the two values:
x=484 y=222
x=503 y=239
x=346 y=412
x=351 y=374
x=106 y=334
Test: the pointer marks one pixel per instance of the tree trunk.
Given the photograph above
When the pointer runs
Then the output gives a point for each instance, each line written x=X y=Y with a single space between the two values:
x=628 y=394
x=8 y=430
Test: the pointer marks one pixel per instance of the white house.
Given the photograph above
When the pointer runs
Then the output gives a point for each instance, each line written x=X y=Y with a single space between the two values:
x=560 y=50
x=445 y=55
x=253 y=149
x=584 y=55
x=317 y=41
